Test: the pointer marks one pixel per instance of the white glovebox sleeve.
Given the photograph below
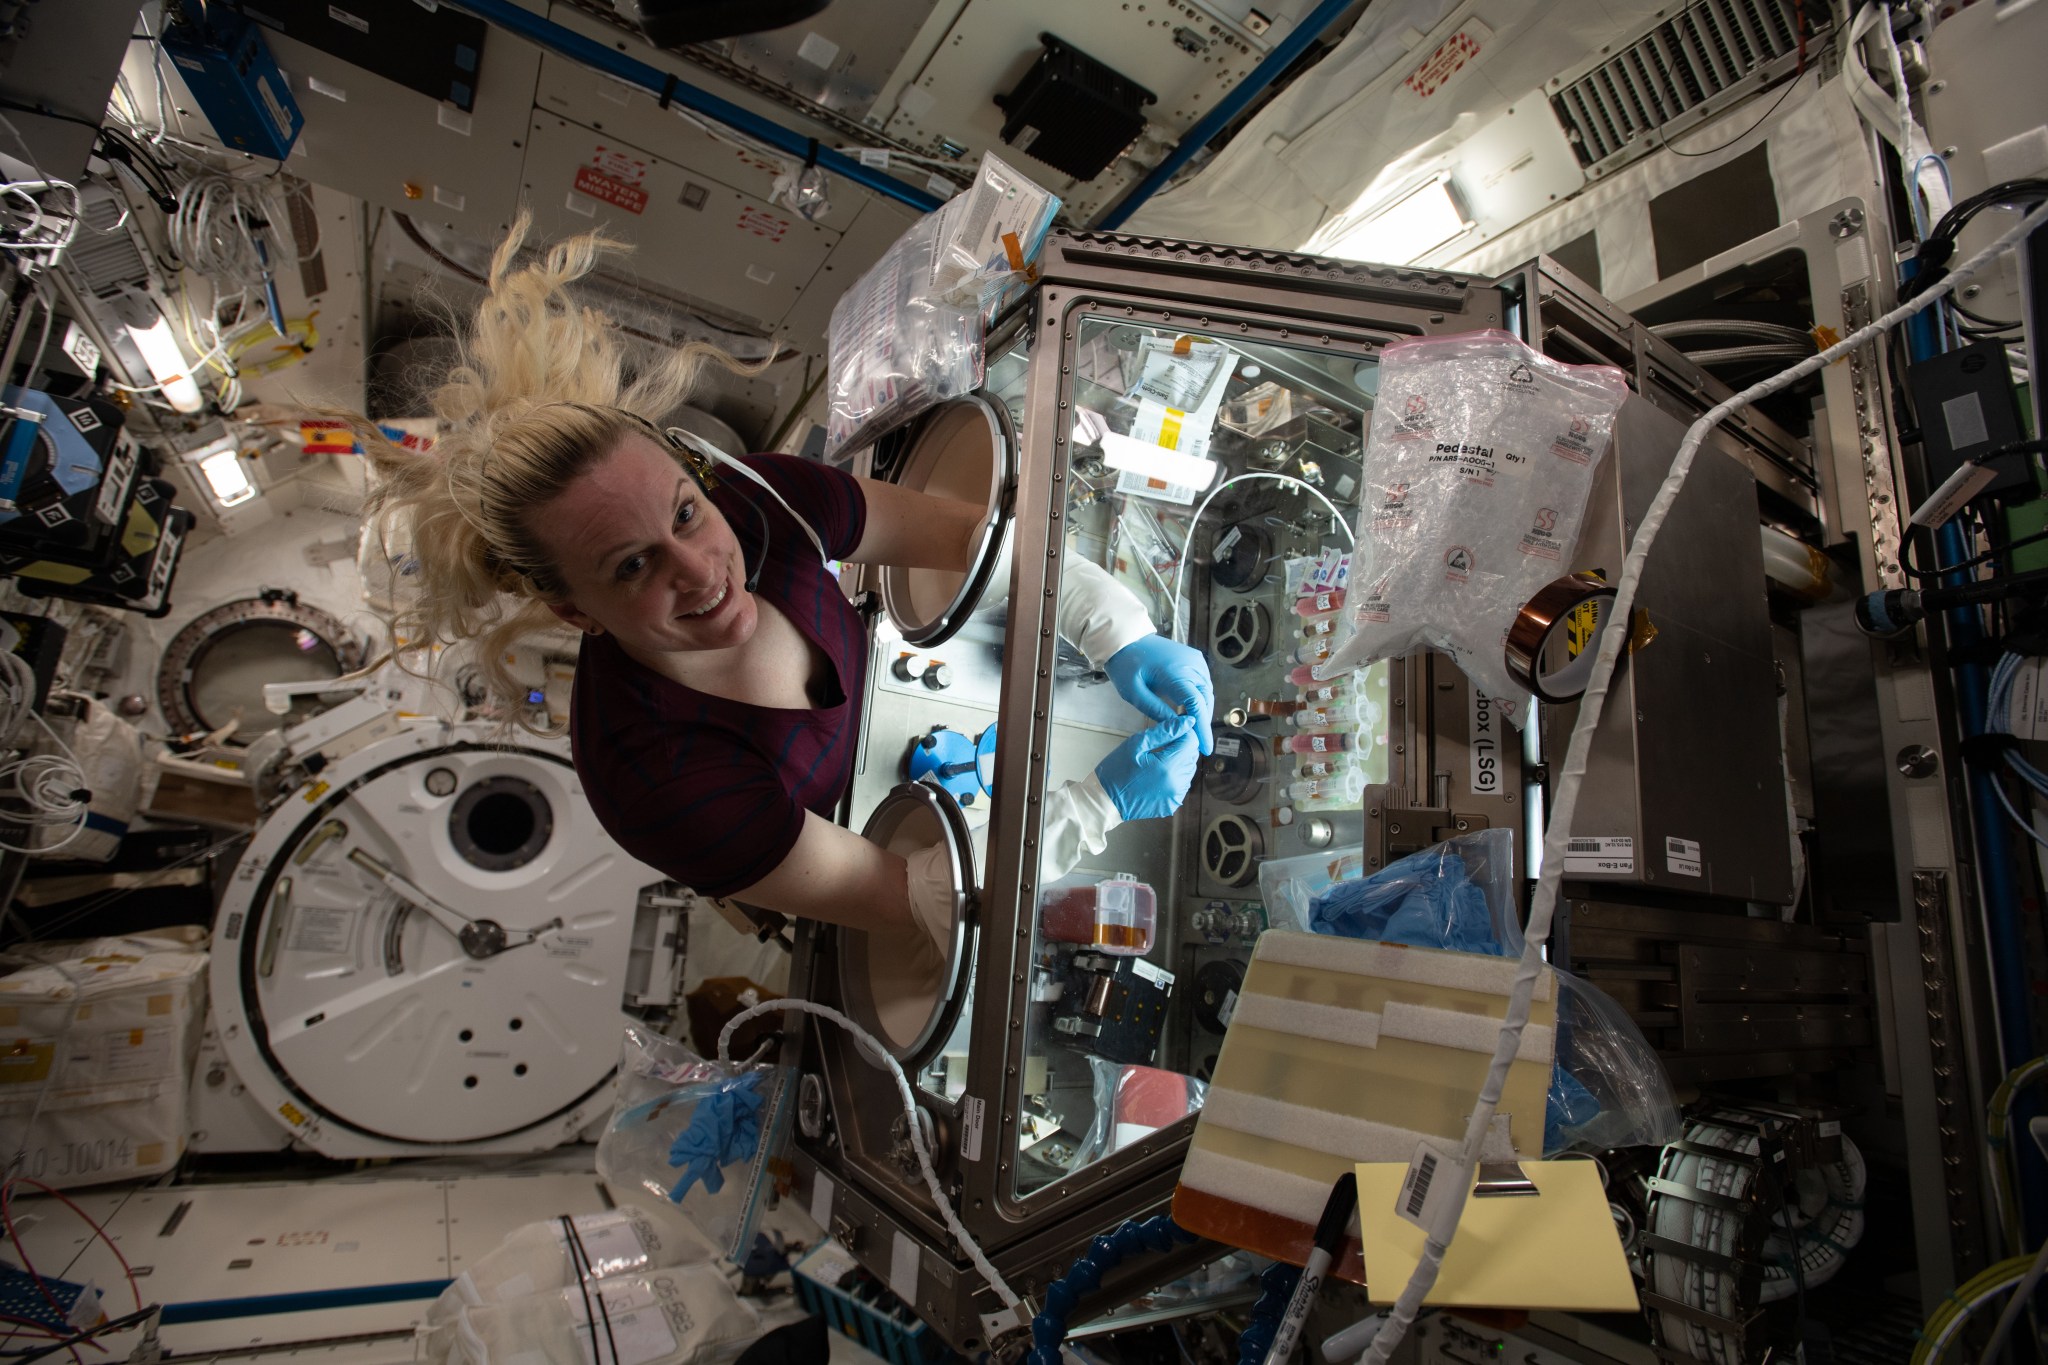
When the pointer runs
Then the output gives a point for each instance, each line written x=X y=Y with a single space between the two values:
x=1078 y=819
x=1097 y=614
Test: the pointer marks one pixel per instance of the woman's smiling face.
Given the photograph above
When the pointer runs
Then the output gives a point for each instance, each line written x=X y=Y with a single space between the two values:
x=644 y=555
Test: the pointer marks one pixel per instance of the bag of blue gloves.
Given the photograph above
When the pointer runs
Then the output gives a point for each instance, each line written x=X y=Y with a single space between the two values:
x=696 y=1136
x=1607 y=1089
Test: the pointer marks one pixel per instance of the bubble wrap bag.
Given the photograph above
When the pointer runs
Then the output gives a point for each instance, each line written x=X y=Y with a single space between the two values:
x=1481 y=457
x=557 y=1252
x=687 y=1315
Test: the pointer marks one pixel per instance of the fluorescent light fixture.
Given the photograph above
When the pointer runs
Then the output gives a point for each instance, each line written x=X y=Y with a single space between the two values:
x=1406 y=230
x=160 y=351
x=221 y=463
x=1157 y=462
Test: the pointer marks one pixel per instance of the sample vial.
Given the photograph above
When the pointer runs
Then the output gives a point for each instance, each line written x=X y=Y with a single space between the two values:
x=1321 y=742
x=1341 y=789
x=1319 y=603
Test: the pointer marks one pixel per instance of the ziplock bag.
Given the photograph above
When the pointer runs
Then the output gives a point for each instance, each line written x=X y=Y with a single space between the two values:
x=896 y=347
x=687 y=1315
x=557 y=1252
x=1481 y=457
x=697 y=1135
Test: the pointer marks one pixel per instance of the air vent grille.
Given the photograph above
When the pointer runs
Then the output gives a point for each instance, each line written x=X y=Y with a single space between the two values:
x=1680 y=68
x=103 y=255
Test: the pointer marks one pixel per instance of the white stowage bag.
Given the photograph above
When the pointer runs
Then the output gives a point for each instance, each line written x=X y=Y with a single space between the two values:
x=557 y=1252
x=1481 y=457
x=687 y=1315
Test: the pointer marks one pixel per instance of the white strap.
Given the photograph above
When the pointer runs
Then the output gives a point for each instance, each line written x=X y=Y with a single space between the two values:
x=719 y=457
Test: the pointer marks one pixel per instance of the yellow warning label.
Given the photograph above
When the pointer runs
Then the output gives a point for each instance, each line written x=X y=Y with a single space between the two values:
x=1579 y=626
x=293 y=1115
x=26 y=1060
x=316 y=791
x=1169 y=428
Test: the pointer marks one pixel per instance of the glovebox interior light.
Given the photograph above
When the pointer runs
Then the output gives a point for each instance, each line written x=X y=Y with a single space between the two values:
x=221 y=464
x=1157 y=462
x=1406 y=230
x=166 y=361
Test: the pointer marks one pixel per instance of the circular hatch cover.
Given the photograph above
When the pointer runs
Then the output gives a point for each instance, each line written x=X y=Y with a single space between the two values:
x=428 y=947
x=214 y=670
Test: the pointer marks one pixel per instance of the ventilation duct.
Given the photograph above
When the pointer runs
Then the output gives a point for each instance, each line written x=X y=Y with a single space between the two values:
x=1679 y=74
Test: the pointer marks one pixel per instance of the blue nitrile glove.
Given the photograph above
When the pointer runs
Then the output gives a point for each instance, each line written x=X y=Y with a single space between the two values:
x=1148 y=774
x=725 y=1127
x=1163 y=680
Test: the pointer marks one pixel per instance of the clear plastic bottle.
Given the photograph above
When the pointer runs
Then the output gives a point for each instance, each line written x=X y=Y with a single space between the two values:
x=1320 y=603
x=1319 y=627
x=1321 y=742
x=1312 y=768
x=1340 y=789
x=1312 y=652
x=1345 y=714
x=1326 y=693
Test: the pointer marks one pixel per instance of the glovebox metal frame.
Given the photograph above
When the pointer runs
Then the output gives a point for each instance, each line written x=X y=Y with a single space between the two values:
x=846 y=1172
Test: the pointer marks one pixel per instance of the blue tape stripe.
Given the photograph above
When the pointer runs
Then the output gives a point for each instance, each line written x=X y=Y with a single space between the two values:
x=311 y=1301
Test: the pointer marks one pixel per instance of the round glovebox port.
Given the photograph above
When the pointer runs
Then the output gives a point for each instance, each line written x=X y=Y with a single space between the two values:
x=501 y=823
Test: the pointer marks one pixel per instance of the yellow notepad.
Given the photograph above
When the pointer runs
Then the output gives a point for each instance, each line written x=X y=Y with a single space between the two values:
x=1558 y=1250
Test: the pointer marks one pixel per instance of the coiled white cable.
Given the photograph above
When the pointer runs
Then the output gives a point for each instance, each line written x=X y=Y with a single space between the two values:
x=212 y=230
x=45 y=783
x=924 y=1157
x=1573 y=772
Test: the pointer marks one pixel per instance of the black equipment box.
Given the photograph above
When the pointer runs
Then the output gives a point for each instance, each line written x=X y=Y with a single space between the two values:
x=1968 y=408
x=1112 y=1007
x=1072 y=112
x=437 y=51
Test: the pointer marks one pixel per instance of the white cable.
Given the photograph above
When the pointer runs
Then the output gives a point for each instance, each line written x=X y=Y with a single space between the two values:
x=1572 y=775
x=916 y=1129
x=212 y=232
x=1180 y=570
x=2014 y=1306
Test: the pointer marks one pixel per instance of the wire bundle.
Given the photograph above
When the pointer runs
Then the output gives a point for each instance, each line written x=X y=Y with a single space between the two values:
x=50 y=786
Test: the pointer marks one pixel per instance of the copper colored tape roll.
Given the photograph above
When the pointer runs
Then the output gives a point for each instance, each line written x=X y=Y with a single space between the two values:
x=1545 y=615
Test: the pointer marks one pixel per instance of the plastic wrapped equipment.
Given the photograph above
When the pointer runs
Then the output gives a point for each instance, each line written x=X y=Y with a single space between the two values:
x=896 y=347
x=687 y=1315
x=1481 y=457
x=697 y=1135
x=1134 y=1102
x=908 y=335
x=556 y=1253
x=1607 y=1088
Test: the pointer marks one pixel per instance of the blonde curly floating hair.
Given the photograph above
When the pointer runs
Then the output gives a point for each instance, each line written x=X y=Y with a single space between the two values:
x=539 y=393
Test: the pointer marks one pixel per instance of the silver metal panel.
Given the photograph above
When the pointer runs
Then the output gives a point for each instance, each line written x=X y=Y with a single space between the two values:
x=839 y=58
x=734 y=252
x=401 y=150
x=1688 y=748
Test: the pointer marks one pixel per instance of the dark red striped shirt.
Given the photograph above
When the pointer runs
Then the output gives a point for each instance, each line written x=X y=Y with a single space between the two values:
x=713 y=791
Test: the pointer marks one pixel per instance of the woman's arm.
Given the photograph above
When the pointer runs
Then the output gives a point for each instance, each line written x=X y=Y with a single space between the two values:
x=912 y=530
x=834 y=875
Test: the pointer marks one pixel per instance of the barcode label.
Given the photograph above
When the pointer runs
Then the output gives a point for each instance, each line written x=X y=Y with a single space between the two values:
x=1611 y=855
x=1418 y=1190
x=1426 y=1191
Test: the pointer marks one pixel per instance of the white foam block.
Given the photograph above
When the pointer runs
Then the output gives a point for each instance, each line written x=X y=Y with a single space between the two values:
x=1280 y=1193
x=1333 y=1134
x=1392 y=962
x=1467 y=1032
x=1302 y=1019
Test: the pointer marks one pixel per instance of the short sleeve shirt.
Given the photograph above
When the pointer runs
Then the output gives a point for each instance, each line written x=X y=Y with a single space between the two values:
x=710 y=790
